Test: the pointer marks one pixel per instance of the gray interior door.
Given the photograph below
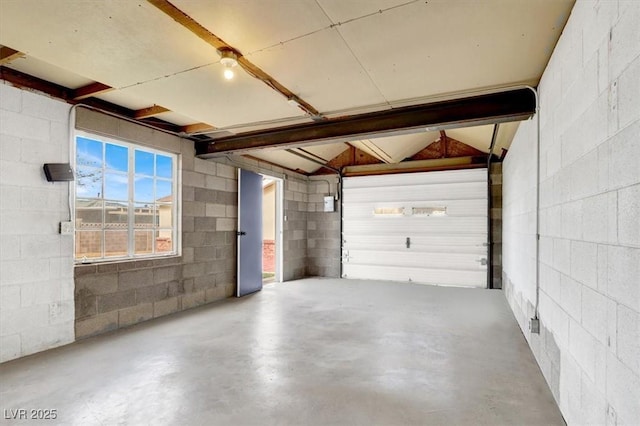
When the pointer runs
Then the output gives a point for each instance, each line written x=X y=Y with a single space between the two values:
x=249 y=232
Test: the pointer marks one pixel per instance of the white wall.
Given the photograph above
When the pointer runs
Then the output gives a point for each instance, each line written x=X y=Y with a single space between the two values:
x=589 y=345
x=36 y=264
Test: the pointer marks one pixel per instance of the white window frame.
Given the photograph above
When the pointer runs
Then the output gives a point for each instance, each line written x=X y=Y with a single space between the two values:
x=131 y=203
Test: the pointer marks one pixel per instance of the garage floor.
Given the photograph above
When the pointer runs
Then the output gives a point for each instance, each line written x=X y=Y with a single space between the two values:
x=315 y=351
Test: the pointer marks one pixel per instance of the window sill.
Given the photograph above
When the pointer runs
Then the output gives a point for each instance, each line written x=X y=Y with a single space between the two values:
x=126 y=264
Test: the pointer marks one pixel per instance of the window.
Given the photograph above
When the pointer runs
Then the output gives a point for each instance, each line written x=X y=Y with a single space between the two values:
x=125 y=200
x=388 y=211
x=429 y=211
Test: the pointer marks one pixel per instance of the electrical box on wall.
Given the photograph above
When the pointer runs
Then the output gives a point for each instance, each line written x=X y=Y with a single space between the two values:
x=329 y=204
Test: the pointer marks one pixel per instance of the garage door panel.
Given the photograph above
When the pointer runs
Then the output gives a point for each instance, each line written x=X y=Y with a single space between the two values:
x=423 y=193
x=406 y=227
x=474 y=243
x=363 y=210
x=447 y=277
x=418 y=259
x=444 y=214
x=478 y=249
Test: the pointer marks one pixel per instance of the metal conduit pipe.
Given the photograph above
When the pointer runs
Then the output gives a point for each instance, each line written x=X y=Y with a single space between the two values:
x=340 y=181
x=534 y=324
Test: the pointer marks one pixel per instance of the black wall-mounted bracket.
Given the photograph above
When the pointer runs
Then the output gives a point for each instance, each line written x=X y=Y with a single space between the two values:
x=58 y=172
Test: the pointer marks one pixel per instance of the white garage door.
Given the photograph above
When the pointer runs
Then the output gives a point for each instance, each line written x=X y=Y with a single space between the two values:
x=428 y=228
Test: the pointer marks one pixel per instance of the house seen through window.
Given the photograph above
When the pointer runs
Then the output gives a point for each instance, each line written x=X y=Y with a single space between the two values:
x=125 y=200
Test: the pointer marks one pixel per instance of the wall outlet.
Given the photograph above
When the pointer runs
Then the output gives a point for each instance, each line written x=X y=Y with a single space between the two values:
x=66 y=228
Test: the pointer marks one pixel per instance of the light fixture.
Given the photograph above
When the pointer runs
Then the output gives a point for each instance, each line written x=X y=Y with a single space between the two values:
x=228 y=59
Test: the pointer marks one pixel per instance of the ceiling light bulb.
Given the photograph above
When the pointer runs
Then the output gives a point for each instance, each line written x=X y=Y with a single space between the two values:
x=228 y=59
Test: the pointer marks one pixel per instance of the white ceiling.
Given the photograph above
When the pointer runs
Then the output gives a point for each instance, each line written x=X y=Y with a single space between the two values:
x=340 y=56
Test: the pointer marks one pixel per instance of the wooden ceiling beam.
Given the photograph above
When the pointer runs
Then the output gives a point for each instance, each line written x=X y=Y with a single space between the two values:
x=351 y=156
x=26 y=81
x=455 y=148
x=443 y=138
x=253 y=70
x=90 y=90
x=8 y=54
x=513 y=105
x=149 y=112
x=197 y=127
x=20 y=79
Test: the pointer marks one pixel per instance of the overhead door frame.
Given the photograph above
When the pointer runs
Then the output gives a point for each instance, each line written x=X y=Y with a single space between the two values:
x=449 y=249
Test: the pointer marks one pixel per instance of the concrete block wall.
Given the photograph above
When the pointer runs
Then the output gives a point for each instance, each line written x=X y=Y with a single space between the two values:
x=114 y=295
x=588 y=347
x=323 y=229
x=295 y=228
x=36 y=264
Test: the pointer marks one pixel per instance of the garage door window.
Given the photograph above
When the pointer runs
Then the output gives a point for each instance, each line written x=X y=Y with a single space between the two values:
x=124 y=200
x=388 y=211
x=429 y=211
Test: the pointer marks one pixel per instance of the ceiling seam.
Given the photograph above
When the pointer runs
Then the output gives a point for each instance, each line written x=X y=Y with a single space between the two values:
x=167 y=75
x=333 y=25
x=353 y=54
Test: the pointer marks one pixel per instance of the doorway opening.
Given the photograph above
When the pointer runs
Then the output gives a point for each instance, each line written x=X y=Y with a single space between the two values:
x=271 y=229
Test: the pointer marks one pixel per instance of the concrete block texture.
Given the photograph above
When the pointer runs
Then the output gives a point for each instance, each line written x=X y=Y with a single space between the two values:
x=135 y=314
x=628 y=338
x=628 y=216
x=37 y=276
x=96 y=325
x=165 y=307
x=589 y=236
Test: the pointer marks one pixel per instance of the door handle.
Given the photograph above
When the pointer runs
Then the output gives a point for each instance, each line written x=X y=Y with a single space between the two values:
x=240 y=233
x=408 y=242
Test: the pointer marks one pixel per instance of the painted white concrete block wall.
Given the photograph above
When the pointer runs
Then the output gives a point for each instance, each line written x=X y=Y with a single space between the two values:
x=36 y=263
x=589 y=345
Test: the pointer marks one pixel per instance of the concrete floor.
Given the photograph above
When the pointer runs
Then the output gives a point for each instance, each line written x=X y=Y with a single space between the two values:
x=315 y=351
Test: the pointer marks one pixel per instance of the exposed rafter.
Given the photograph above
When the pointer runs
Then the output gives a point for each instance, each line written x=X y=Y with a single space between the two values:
x=27 y=81
x=207 y=36
x=8 y=54
x=349 y=157
x=443 y=138
x=149 y=112
x=197 y=127
x=455 y=148
x=20 y=79
x=505 y=106
x=90 y=90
